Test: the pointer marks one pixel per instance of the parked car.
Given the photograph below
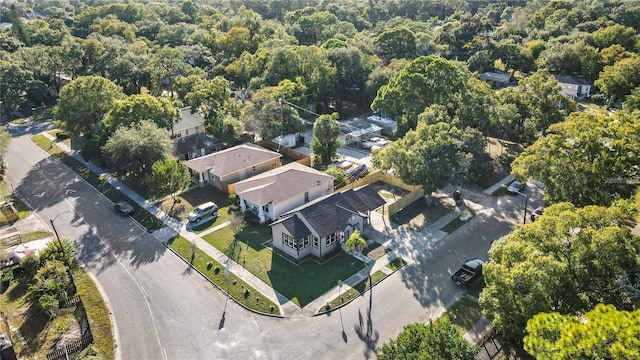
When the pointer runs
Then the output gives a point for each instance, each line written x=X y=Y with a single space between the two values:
x=367 y=144
x=124 y=208
x=516 y=187
x=470 y=271
x=203 y=211
x=537 y=212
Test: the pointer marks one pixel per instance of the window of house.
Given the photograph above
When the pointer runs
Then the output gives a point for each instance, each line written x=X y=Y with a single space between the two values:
x=288 y=240
x=305 y=241
x=315 y=242
x=332 y=238
x=254 y=168
x=306 y=196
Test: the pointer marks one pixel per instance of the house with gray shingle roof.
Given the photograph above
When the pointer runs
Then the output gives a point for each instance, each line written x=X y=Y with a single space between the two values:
x=280 y=190
x=228 y=166
x=189 y=123
x=573 y=86
x=320 y=227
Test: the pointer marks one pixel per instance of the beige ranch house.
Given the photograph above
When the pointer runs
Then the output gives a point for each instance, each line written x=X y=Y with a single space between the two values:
x=319 y=228
x=281 y=190
x=228 y=166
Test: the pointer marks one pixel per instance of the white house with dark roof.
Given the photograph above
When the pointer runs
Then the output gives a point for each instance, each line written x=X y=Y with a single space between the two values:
x=280 y=190
x=318 y=228
x=228 y=166
x=188 y=124
x=573 y=86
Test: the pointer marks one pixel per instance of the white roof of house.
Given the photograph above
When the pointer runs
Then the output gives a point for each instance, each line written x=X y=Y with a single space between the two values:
x=233 y=159
x=281 y=184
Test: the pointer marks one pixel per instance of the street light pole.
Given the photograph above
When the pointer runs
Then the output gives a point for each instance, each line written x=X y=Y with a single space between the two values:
x=526 y=202
x=58 y=236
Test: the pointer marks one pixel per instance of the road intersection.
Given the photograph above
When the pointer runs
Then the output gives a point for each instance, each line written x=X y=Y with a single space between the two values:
x=161 y=309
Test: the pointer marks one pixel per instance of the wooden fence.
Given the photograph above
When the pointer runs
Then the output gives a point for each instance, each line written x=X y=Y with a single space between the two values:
x=71 y=348
x=298 y=156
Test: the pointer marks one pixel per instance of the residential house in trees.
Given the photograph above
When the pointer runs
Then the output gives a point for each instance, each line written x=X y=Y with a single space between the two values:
x=280 y=190
x=320 y=228
x=189 y=138
x=231 y=165
x=573 y=86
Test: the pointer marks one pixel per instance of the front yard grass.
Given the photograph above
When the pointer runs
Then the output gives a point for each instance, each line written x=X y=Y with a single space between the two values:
x=196 y=196
x=238 y=289
x=396 y=264
x=300 y=283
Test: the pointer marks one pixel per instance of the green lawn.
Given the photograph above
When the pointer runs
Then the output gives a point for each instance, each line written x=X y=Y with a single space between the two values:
x=238 y=289
x=464 y=313
x=97 y=312
x=396 y=264
x=300 y=283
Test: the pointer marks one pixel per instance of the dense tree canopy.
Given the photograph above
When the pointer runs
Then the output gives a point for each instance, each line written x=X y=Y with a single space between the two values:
x=436 y=340
x=432 y=156
x=567 y=261
x=84 y=102
x=589 y=159
x=425 y=81
x=602 y=333
x=136 y=148
x=136 y=108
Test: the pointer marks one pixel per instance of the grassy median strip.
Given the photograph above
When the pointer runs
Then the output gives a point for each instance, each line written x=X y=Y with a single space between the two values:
x=98 y=314
x=238 y=289
x=464 y=314
x=355 y=291
x=396 y=264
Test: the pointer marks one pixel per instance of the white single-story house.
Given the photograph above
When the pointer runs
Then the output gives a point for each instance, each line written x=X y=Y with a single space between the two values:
x=280 y=190
x=495 y=79
x=573 y=86
x=351 y=134
x=319 y=228
x=388 y=126
x=231 y=165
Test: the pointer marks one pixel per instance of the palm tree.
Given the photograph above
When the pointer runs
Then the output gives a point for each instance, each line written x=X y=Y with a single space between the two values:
x=356 y=240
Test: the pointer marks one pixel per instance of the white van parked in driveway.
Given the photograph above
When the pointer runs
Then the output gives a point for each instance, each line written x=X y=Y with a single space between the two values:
x=203 y=211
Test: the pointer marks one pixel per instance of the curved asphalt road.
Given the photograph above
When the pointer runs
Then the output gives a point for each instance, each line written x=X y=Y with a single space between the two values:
x=161 y=310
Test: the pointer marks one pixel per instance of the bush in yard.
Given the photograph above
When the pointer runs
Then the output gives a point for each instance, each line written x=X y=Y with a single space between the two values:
x=52 y=279
x=30 y=265
x=54 y=252
x=49 y=304
x=7 y=276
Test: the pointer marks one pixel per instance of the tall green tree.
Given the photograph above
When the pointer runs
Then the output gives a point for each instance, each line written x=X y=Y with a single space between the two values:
x=399 y=42
x=539 y=104
x=436 y=340
x=589 y=159
x=568 y=260
x=617 y=81
x=602 y=333
x=430 y=156
x=425 y=81
x=84 y=102
x=136 y=108
x=168 y=177
x=325 y=138
x=135 y=149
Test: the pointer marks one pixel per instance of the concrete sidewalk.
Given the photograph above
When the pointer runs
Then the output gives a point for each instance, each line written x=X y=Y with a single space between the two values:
x=398 y=239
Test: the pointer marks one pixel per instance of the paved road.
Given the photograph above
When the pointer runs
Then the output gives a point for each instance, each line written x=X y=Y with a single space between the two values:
x=163 y=311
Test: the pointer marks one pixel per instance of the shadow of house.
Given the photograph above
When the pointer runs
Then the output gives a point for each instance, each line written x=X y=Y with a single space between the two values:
x=321 y=227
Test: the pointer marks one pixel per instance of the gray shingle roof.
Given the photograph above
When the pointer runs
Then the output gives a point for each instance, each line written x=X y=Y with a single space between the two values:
x=230 y=160
x=281 y=184
x=296 y=227
x=188 y=120
x=185 y=144
x=332 y=212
